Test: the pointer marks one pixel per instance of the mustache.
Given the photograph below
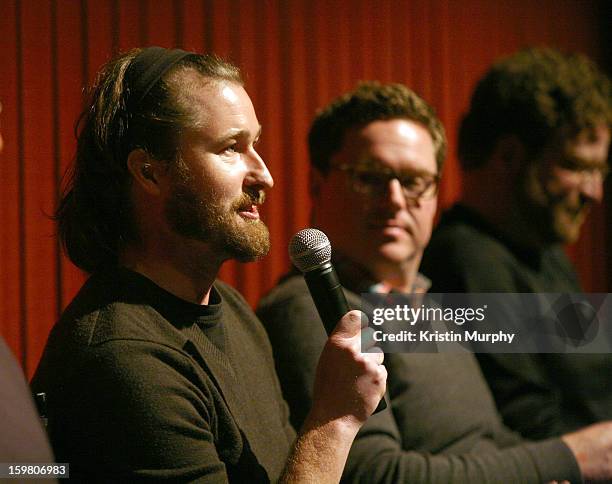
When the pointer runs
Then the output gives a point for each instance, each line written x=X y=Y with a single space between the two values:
x=248 y=198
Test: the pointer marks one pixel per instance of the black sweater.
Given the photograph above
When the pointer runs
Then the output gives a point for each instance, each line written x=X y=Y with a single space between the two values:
x=144 y=386
x=538 y=395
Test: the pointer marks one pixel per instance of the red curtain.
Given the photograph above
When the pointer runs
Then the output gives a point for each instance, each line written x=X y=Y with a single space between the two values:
x=296 y=54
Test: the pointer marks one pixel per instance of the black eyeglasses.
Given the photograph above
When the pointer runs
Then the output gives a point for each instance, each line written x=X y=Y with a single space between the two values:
x=372 y=180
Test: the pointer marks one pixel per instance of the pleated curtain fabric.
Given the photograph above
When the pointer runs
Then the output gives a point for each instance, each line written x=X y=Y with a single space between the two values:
x=296 y=56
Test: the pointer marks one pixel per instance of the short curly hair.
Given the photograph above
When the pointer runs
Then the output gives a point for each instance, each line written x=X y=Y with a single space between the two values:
x=532 y=94
x=369 y=102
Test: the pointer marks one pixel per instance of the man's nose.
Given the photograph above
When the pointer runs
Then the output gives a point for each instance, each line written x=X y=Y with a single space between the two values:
x=258 y=173
x=395 y=194
x=591 y=186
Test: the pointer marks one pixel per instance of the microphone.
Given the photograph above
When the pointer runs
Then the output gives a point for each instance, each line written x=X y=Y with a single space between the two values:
x=310 y=251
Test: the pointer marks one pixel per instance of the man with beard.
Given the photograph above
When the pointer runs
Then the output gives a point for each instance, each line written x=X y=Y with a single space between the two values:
x=157 y=371
x=534 y=147
x=377 y=155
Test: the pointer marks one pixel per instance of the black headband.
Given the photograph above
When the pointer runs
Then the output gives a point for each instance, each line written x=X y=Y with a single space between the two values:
x=148 y=67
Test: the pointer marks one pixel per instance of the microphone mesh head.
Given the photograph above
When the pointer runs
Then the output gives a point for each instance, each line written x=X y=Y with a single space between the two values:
x=309 y=249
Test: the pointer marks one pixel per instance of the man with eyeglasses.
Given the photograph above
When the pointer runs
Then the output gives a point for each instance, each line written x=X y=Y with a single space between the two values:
x=377 y=155
x=534 y=146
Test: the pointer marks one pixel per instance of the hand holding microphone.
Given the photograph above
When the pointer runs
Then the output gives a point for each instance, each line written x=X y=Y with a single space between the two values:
x=310 y=252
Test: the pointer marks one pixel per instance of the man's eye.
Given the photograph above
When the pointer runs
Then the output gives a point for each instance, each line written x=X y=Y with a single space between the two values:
x=415 y=182
x=229 y=150
x=412 y=182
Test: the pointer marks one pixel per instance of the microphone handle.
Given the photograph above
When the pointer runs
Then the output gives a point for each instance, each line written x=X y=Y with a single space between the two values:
x=328 y=296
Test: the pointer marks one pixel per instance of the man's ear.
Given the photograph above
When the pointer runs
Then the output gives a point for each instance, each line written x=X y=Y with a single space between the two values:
x=144 y=170
x=510 y=153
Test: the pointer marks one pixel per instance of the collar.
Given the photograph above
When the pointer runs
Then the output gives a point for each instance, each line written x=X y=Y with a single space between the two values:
x=358 y=279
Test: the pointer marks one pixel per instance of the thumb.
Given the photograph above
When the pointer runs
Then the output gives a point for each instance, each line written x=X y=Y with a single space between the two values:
x=350 y=324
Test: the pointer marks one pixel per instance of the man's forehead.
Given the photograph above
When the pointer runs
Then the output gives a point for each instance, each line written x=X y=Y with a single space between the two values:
x=205 y=99
x=219 y=111
x=397 y=141
x=204 y=89
x=198 y=94
x=394 y=130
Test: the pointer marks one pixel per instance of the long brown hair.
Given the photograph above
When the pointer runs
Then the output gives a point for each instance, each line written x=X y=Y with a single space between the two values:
x=94 y=215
